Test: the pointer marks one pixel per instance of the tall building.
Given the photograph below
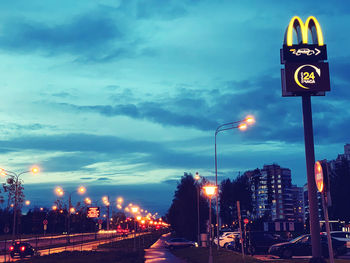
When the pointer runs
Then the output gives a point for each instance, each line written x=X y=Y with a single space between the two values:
x=273 y=195
x=333 y=164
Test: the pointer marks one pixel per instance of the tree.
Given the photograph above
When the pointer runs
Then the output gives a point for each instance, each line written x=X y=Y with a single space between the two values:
x=231 y=192
x=182 y=214
x=10 y=188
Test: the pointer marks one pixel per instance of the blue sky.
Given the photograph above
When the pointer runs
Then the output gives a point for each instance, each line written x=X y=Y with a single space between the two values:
x=129 y=93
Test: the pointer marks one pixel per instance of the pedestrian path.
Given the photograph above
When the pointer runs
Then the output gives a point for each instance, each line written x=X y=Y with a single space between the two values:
x=158 y=253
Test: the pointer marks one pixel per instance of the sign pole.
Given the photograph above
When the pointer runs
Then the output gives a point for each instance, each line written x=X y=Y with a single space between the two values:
x=311 y=186
x=240 y=228
x=329 y=238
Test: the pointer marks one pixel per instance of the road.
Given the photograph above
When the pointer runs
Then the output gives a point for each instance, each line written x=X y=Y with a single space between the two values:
x=276 y=259
x=158 y=253
x=58 y=244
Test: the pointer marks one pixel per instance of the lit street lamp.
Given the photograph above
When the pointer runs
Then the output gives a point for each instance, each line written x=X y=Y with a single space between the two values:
x=241 y=125
x=134 y=210
x=16 y=176
x=59 y=191
x=210 y=191
x=197 y=178
x=106 y=202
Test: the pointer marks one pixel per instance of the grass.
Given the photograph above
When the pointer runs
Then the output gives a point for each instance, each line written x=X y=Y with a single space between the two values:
x=199 y=255
x=114 y=252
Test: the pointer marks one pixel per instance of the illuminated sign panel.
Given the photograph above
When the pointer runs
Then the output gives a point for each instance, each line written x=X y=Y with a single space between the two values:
x=93 y=212
x=303 y=53
x=309 y=77
x=305 y=72
x=319 y=176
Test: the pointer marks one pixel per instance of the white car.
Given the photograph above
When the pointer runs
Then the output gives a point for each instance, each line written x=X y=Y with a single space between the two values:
x=226 y=238
x=180 y=242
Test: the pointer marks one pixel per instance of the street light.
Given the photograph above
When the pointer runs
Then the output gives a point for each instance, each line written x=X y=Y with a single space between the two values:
x=134 y=210
x=3 y=173
x=210 y=191
x=241 y=125
x=59 y=191
x=197 y=178
x=106 y=202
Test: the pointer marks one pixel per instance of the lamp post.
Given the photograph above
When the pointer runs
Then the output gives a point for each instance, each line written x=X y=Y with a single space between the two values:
x=197 y=178
x=16 y=179
x=242 y=125
x=134 y=210
x=59 y=191
x=210 y=191
x=106 y=202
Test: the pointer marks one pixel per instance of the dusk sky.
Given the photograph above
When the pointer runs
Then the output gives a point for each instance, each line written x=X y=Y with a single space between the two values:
x=124 y=96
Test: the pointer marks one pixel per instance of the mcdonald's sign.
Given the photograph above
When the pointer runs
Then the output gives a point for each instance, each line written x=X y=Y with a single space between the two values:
x=306 y=71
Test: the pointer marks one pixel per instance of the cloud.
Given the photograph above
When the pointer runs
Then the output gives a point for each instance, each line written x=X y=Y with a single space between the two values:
x=87 y=35
x=104 y=179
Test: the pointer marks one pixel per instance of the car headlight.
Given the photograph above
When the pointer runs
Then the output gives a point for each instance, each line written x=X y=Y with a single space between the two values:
x=195 y=244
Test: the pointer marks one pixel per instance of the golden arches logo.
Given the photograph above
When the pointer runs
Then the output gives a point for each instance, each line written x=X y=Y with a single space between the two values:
x=302 y=31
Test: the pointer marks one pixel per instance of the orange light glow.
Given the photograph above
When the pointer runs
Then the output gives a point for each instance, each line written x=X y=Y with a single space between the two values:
x=210 y=190
x=87 y=201
x=54 y=207
x=59 y=191
x=242 y=126
x=197 y=177
x=120 y=200
x=138 y=218
x=35 y=169
x=134 y=209
x=72 y=209
x=250 y=119
x=2 y=172
x=81 y=190
x=27 y=202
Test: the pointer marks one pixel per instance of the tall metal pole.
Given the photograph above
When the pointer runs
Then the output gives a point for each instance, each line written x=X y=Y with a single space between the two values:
x=15 y=210
x=210 y=248
x=310 y=162
x=217 y=194
x=198 y=228
x=68 y=219
x=135 y=234
x=326 y=219
x=240 y=227
x=108 y=214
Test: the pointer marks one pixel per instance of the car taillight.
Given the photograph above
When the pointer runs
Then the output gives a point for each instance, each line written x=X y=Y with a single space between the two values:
x=23 y=248
x=11 y=248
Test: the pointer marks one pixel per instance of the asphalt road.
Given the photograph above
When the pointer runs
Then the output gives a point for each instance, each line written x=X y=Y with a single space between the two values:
x=276 y=259
x=158 y=253
x=78 y=242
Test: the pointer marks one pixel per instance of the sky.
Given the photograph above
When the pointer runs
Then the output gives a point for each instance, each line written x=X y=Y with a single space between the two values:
x=125 y=96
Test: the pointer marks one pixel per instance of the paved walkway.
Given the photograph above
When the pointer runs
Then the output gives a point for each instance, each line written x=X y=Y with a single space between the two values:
x=158 y=253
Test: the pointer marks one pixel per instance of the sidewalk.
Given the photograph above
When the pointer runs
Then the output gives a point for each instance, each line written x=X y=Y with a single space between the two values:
x=158 y=253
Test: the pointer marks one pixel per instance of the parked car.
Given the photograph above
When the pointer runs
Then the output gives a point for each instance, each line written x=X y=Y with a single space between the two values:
x=260 y=242
x=180 y=242
x=22 y=249
x=341 y=236
x=226 y=238
x=301 y=246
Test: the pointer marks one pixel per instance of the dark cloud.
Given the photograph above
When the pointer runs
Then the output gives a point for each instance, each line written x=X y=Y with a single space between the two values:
x=88 y=35
x=86 y=178
x=104 y=179
x=68 y=162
